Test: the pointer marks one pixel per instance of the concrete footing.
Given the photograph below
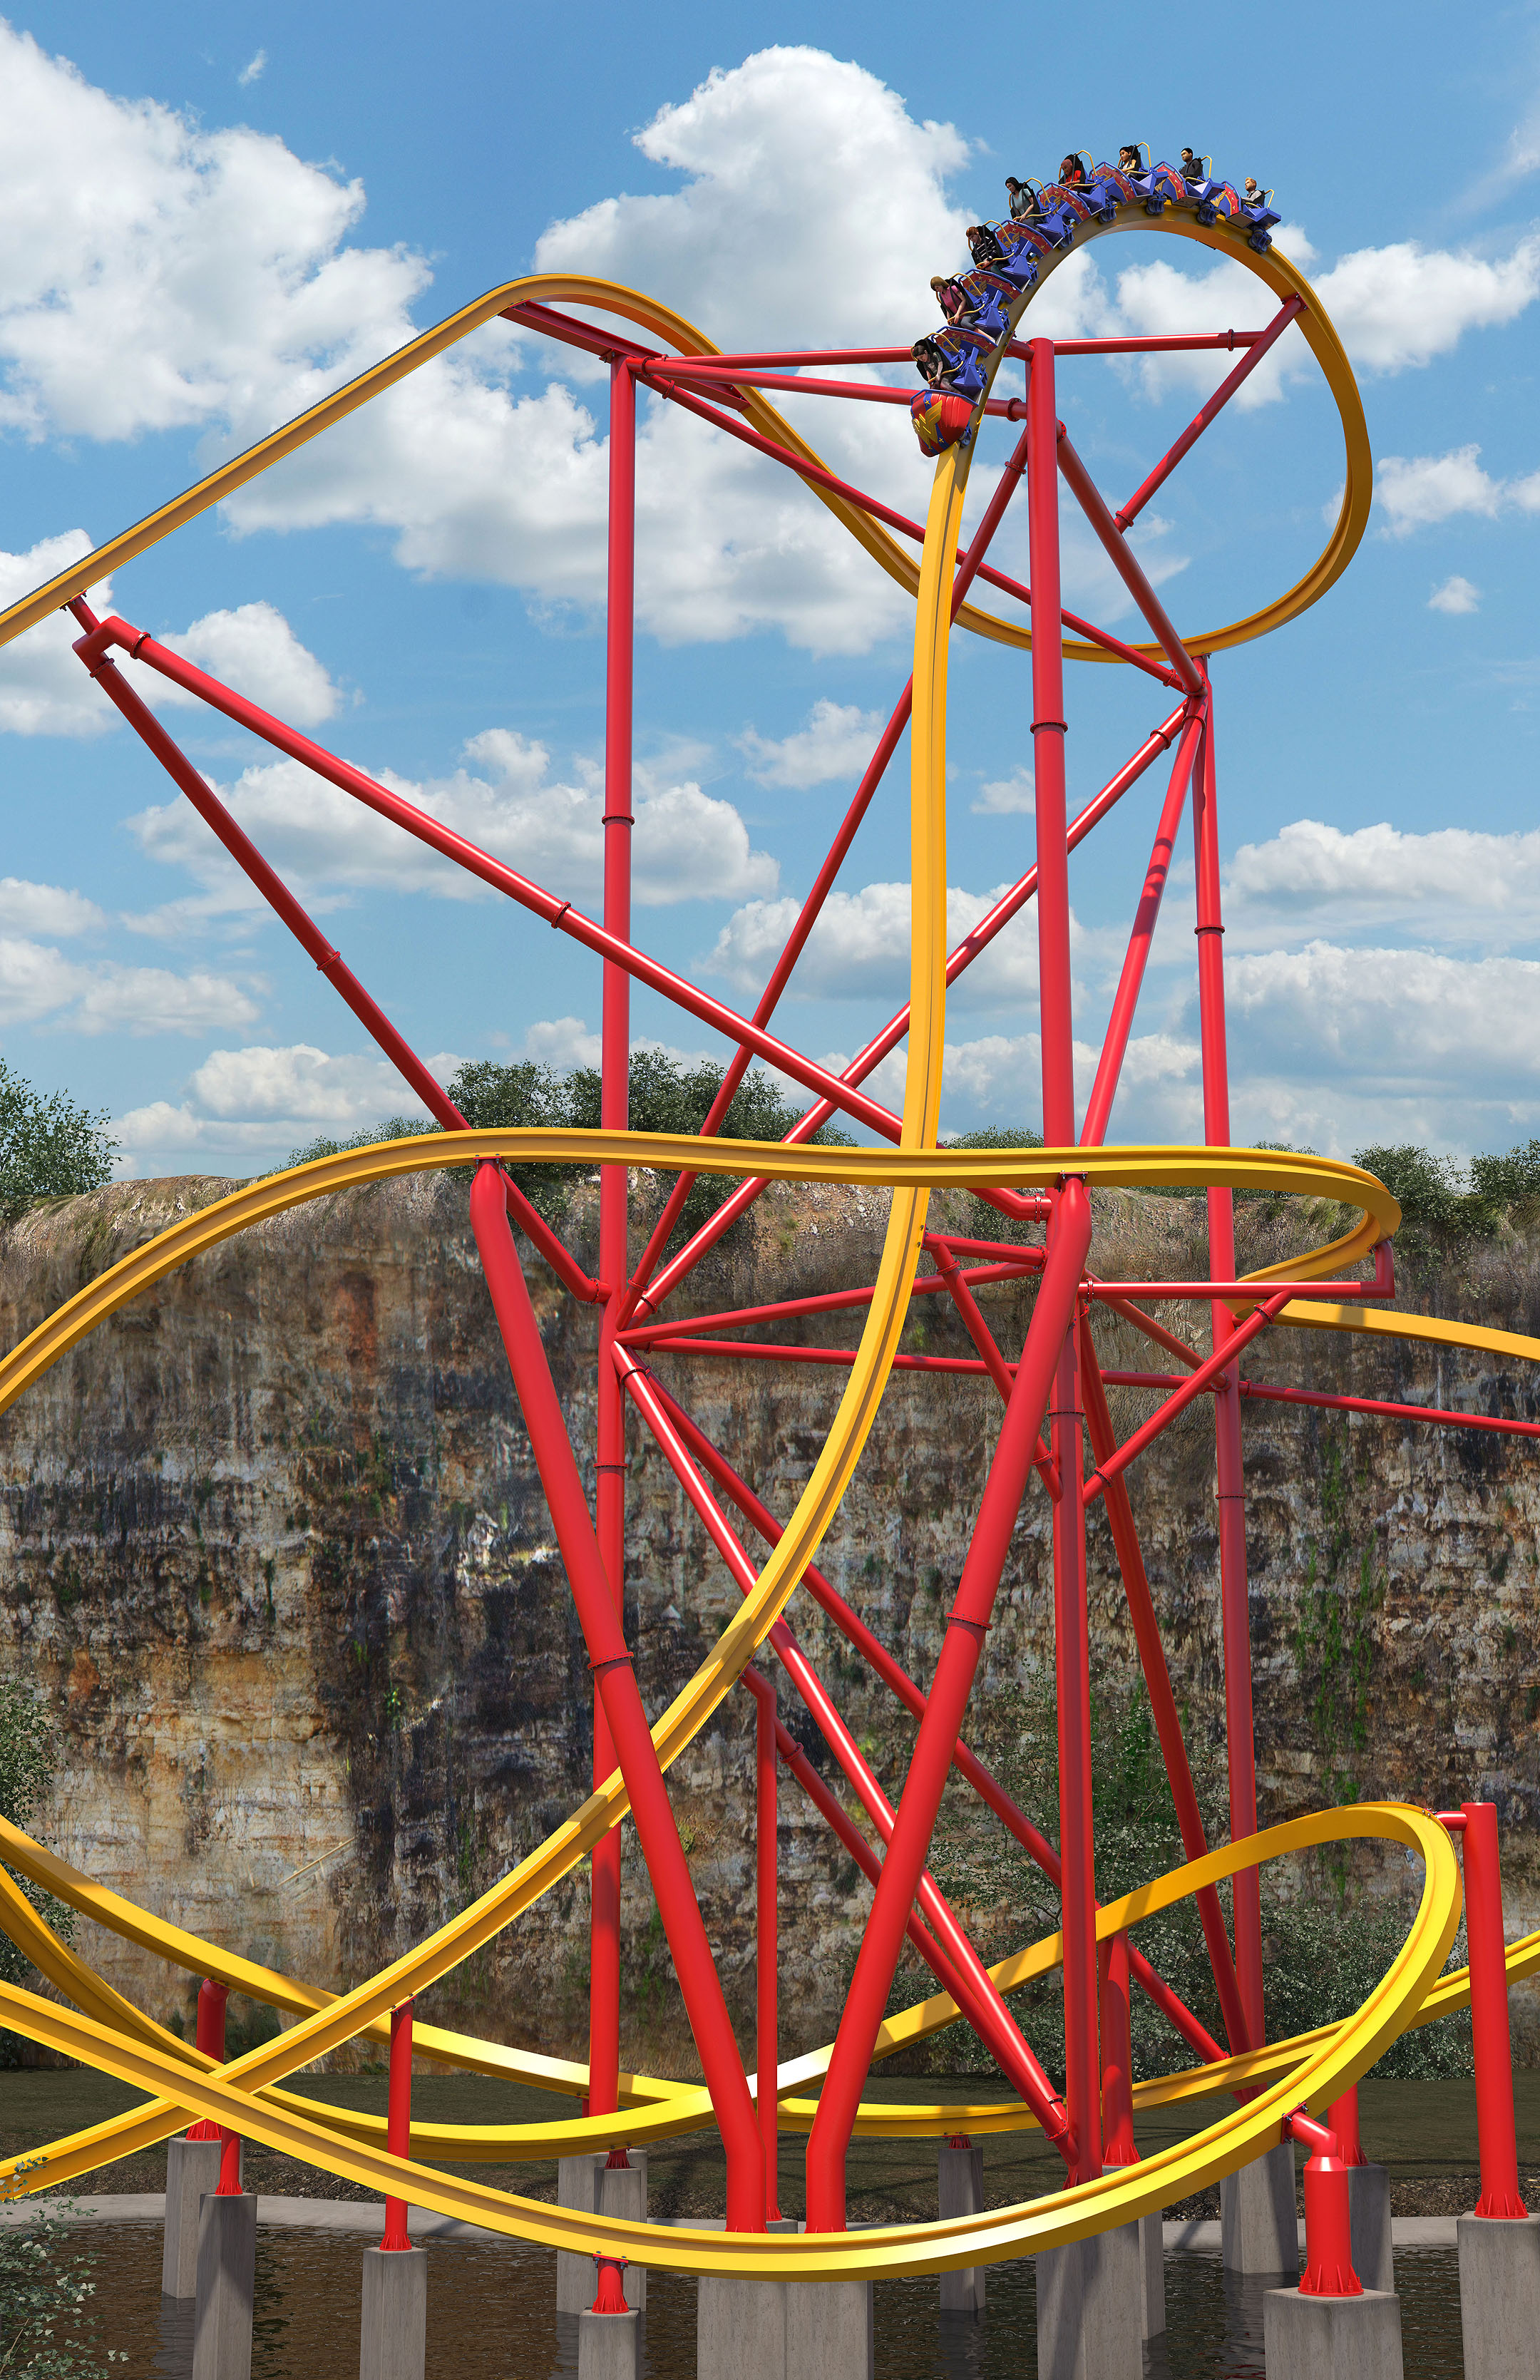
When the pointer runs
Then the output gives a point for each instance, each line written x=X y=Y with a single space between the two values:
x=227 y=2282
x=1152 y=2273
x=740 y=2327
x=393 y=2335
x=609 y=2345
x=960 y=2191
x=1369 y=2200
x=1499 y=2296
x=1090 y=2308
x=191 y=2171
x=1258 y=2219
x=829 y=2330
x=1332 y=2339
x=583 y=2181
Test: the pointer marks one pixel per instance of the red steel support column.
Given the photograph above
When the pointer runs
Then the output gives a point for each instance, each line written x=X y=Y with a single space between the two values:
x=398 y=2120
x=211 y=1997
x=767 y=1949
x=1343 y=2117
x=1233 y=1592
x=936 y=1743
x=1117 y=2054
x=614 y=1115
x=1500 y=2200
x=610 y=1662
x=1072 y=1647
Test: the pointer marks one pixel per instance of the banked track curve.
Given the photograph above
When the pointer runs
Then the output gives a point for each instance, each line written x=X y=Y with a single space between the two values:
x=112 y=2035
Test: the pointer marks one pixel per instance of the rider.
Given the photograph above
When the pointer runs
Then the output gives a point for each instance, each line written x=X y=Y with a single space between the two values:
x=1190 y=168
x=1253 y=194
x=1072 y=174
x=952 y=300
x=1023 y=203
x=1129 y=159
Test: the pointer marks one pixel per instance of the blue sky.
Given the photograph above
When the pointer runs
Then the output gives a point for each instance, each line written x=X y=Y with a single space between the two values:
x=208 y=228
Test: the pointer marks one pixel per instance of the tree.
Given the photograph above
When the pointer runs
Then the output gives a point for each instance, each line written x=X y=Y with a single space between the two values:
x=50 y=1147
x=27 y=1757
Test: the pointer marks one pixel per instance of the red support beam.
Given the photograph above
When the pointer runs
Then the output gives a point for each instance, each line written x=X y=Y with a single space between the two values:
x=936 y=1743
x=1158 y=1686
x=817 y=476
x=91 y=648
x=613 y=1201
x=892 y=1675
x=1204 y=415
x=992 y=2020
x=1114 y=1048
x=967 y=950
x=1121 y=554
x=1071 y=1636
x=767 y=1949
x=559 y=915
x=610 y=1662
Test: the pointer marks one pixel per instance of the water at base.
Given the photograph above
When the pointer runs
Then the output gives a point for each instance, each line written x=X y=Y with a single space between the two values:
x=491 y=2316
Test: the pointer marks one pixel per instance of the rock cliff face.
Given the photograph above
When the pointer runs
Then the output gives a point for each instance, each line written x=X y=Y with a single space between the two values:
x=272 y=1544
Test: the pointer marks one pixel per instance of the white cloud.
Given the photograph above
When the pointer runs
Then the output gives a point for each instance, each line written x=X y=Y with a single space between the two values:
x=1416 y=491
x=45 y=910
x=254 y=651
x=860 y=947
x=1012 y=796
x=44 y=691
x=39 y=985
x=837 y=741
x=252 y=70
x=1453 y=886
x=251 y=1106
x=1401 y=306
x=793 y=158
x=1455 y=595
x=178 y=278
x=1407 y=1022
x=562 y=1042
x=687 y=846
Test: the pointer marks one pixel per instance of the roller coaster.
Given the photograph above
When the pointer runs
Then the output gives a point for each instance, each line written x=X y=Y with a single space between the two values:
x=1056 y=1378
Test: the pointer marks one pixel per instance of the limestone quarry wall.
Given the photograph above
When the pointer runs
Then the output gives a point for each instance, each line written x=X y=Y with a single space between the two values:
x=273 y=1546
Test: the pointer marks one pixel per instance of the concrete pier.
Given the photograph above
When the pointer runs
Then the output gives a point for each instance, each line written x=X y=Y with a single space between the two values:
x=191 y=2171
x=1152 y=2273
x=609 y=2345
x=226 y=2281
x=1369 y=2202
x=960 y=2191
x=1333 y=2339
x=1258 y=2218
x=1090 y=2308
x=829 y=2330
x=392 y=2334
x=740 y=2327
x=1499 y=2296
x=582 y=2182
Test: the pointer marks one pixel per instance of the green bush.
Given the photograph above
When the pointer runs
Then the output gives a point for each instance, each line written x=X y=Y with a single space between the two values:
x=27 y=1758
x=47 y=2322
x=50 y=1147
x=664 y=1096
x=1324 y=1945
